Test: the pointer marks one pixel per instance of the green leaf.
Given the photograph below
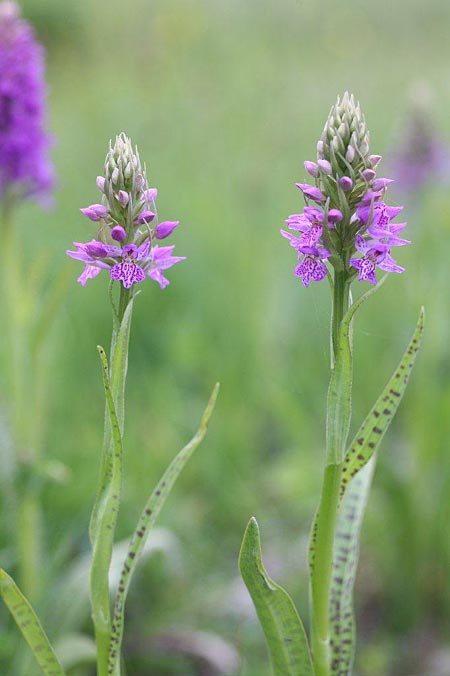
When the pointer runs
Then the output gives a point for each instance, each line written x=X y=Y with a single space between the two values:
x=145 y=524
x=28 y=623
x=345 y=561
x=356 y=477
x=283 y=629
x=116 y=382
x=106 y=520
x=373 y=429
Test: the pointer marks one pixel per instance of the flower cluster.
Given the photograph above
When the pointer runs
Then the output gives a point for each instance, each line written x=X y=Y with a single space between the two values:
x=348 y=214
x=127 y=224
x=25 y=169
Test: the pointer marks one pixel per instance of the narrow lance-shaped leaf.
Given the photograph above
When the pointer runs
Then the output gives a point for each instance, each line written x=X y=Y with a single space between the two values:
x=116 y=383
x=345 y=561
x=107 y=512
x=374 y=427
x=282 y=626
x=146 y=522
x=356 y=478
x=28 y=623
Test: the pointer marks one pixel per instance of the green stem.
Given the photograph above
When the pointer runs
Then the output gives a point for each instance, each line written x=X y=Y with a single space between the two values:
x=337 y=427
x=102 y=523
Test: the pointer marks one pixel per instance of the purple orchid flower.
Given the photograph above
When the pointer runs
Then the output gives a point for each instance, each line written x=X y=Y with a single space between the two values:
x=381 y=227
x=375 y=254
x=129 y=264
x=312 y=266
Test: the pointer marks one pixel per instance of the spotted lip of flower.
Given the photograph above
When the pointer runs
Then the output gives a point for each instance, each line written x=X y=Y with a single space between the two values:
x=375 y=254
x=312 y=267
x=97 y=255
x=128 y=271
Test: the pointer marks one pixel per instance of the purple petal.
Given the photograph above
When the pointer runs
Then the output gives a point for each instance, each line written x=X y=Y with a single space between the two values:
x=143 y=251
x=157 y=276
x=361 y=244
x=389 y=265
x=89 y=272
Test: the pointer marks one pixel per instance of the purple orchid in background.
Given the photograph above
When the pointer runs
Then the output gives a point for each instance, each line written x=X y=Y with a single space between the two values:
x=25 y=169
x=422 y=155
x=127 y=225
x=349 y=214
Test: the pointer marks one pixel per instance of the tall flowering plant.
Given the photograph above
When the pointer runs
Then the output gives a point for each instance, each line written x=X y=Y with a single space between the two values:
x=126 y=248
x=347 y=232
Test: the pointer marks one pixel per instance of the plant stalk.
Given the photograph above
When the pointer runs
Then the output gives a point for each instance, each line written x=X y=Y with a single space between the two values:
x=329 y=500
x=103 y=538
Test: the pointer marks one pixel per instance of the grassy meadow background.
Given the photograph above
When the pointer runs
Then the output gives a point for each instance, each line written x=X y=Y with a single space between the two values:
x=225 y=100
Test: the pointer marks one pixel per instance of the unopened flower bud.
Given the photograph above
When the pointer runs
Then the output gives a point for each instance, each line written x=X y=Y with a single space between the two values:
x=95 y=212
x=311 y=168
x=100 y=181
x=374 y=160
x=139 y=182
x=325 y=167
x=368 y=174
x=346 y=183
x=151 y=194
x=165 y=229
x=144 y=217
x=118 y=233
x=381 y=183
x=334 y=216
x=123 y=197
x=123 y=168
x=350 y=154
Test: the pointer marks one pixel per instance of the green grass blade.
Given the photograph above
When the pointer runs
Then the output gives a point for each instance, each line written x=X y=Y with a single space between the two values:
x=374 y=427
x=107 y=512
x=28 y=623
x=146 y=522
x=345 y=561
x=283 y=629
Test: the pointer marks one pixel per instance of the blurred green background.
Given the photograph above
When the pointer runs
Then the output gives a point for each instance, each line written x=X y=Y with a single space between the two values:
x=225 y=100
